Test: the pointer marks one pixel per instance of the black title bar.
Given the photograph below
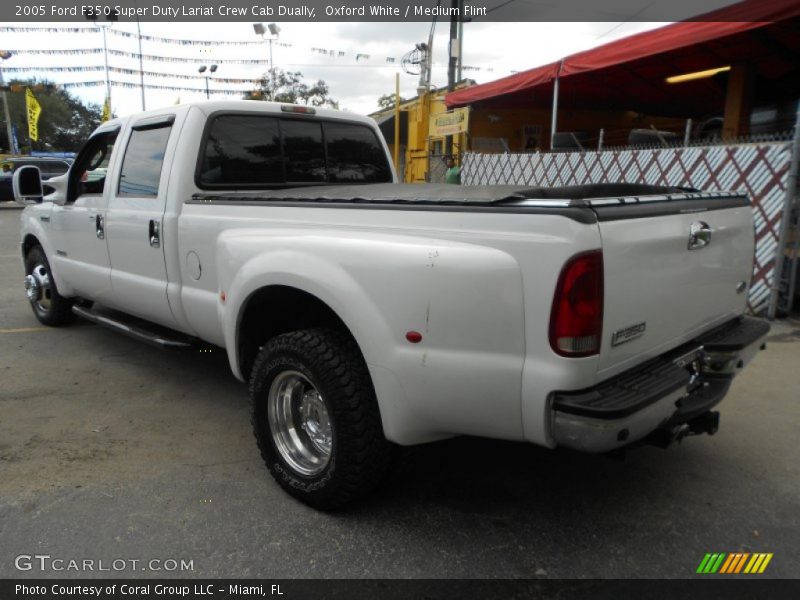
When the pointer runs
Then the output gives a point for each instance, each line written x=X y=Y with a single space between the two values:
x=358 y=10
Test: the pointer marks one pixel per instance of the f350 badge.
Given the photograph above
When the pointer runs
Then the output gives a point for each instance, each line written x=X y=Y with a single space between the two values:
x=626 y=334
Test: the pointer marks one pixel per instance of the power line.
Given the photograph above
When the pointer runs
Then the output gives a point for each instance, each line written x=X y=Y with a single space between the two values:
x=501 y=5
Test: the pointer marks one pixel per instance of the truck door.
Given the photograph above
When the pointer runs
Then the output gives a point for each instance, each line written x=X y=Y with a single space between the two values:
x=77 y=228
x=134 y=222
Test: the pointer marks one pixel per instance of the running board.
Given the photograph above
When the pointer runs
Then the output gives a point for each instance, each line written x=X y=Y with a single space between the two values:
x=136 y=332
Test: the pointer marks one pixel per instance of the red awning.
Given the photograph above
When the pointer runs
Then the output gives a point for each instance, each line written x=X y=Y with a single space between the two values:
x=684 y=41
x=507 y=85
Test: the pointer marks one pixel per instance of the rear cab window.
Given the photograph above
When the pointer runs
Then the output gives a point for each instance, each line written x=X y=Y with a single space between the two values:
x=261 y=151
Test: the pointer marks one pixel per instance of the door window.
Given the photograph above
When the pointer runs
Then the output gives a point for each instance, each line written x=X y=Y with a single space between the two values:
x=144 y=158
x=88 y=173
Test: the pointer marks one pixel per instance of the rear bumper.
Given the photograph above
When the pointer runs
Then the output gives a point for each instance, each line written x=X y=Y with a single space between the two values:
x=665 y=394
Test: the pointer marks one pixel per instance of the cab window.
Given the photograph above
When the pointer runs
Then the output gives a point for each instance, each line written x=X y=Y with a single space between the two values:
x=267 y=152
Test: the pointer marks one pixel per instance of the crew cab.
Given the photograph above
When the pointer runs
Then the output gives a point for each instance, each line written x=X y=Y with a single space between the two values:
x=366 y=314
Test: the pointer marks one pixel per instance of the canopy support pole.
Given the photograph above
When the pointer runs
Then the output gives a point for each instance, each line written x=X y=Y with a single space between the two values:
x=397 y=122
x=554 y=112
x=788 y=205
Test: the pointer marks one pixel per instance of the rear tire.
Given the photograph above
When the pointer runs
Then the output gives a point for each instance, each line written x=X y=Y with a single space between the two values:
x=316 y=419
x=50 y=307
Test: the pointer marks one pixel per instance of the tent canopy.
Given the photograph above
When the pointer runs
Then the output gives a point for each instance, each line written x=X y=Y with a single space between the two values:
x=630 y=73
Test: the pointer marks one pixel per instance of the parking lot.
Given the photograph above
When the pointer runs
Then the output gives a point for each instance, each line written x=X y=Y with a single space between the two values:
x=111 y=449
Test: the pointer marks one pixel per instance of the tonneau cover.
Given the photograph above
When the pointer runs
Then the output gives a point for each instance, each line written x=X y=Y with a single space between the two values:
x=432 y=193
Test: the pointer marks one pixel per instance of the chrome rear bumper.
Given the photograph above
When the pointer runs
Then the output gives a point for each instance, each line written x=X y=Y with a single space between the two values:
x=664 y=395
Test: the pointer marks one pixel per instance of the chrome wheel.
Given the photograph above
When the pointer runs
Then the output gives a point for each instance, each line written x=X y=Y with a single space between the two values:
x=299 y=423
x=39 y=289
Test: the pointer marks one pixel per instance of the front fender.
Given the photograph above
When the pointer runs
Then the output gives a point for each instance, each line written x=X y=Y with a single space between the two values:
x=31 y=224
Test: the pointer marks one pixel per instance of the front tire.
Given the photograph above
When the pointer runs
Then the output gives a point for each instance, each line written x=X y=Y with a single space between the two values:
x=50 y=307
x=316 y=419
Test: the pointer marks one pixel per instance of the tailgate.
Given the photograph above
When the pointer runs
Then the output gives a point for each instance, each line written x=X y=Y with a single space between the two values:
x=666 y=278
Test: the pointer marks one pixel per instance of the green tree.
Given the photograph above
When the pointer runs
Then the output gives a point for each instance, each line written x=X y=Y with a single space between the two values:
x=289 y=87
x=387 y=101
x=65 y=122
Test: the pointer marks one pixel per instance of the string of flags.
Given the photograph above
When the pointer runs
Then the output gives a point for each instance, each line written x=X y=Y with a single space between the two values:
x=122 y=71
x=184 y=42
x=148 y=57
x=167 y=59
x=47 y=29
x=359 y=56
x=151 y=86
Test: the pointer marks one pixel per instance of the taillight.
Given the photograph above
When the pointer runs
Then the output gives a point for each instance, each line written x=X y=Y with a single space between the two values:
x=576 y=322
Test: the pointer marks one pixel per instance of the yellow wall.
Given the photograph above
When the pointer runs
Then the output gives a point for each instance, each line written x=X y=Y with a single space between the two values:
x=419 y=145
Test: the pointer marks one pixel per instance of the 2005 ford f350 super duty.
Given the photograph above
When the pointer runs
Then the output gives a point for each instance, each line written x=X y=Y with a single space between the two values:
x=366 y=313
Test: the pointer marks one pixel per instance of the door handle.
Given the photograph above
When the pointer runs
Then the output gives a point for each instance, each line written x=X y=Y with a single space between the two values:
x=155 y=235
x=99 y=227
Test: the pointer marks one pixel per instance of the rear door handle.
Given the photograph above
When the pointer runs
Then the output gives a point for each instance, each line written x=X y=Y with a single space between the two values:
x=99 y=227
x=154 y=234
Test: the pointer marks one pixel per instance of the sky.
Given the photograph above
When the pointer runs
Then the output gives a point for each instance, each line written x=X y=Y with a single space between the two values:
x=354 y=63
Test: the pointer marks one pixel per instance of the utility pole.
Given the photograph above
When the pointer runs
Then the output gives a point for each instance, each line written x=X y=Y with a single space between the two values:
x=141 y=58
x=202 y=70
x=4 y=55
x=274 y=32
x=105 y=58
x=454 y=59
x=111 y=18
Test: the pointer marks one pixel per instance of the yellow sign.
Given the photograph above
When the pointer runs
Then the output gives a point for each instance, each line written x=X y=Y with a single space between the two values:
x=34 y=110
x=449 y=123
x=106 y=110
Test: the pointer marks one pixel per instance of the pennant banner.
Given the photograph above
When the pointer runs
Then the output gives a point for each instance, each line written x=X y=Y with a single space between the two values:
x=121 y=71
x=48 y=30
x=359 y=56
x=150 y=86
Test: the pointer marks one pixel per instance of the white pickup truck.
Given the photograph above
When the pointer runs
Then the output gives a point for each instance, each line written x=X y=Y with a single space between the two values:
x=366 y=313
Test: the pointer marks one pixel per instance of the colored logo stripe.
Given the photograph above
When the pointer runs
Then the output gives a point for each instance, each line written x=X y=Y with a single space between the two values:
x=711 y=563
x=734 y=562
x=758 y=563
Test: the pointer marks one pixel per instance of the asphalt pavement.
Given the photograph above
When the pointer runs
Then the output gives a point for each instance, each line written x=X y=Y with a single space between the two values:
x=111 y=450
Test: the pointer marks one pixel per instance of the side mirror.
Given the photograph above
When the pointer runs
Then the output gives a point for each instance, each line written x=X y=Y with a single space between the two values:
x=27 y=185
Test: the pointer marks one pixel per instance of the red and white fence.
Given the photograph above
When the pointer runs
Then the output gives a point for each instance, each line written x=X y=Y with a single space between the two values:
x=760 y=169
